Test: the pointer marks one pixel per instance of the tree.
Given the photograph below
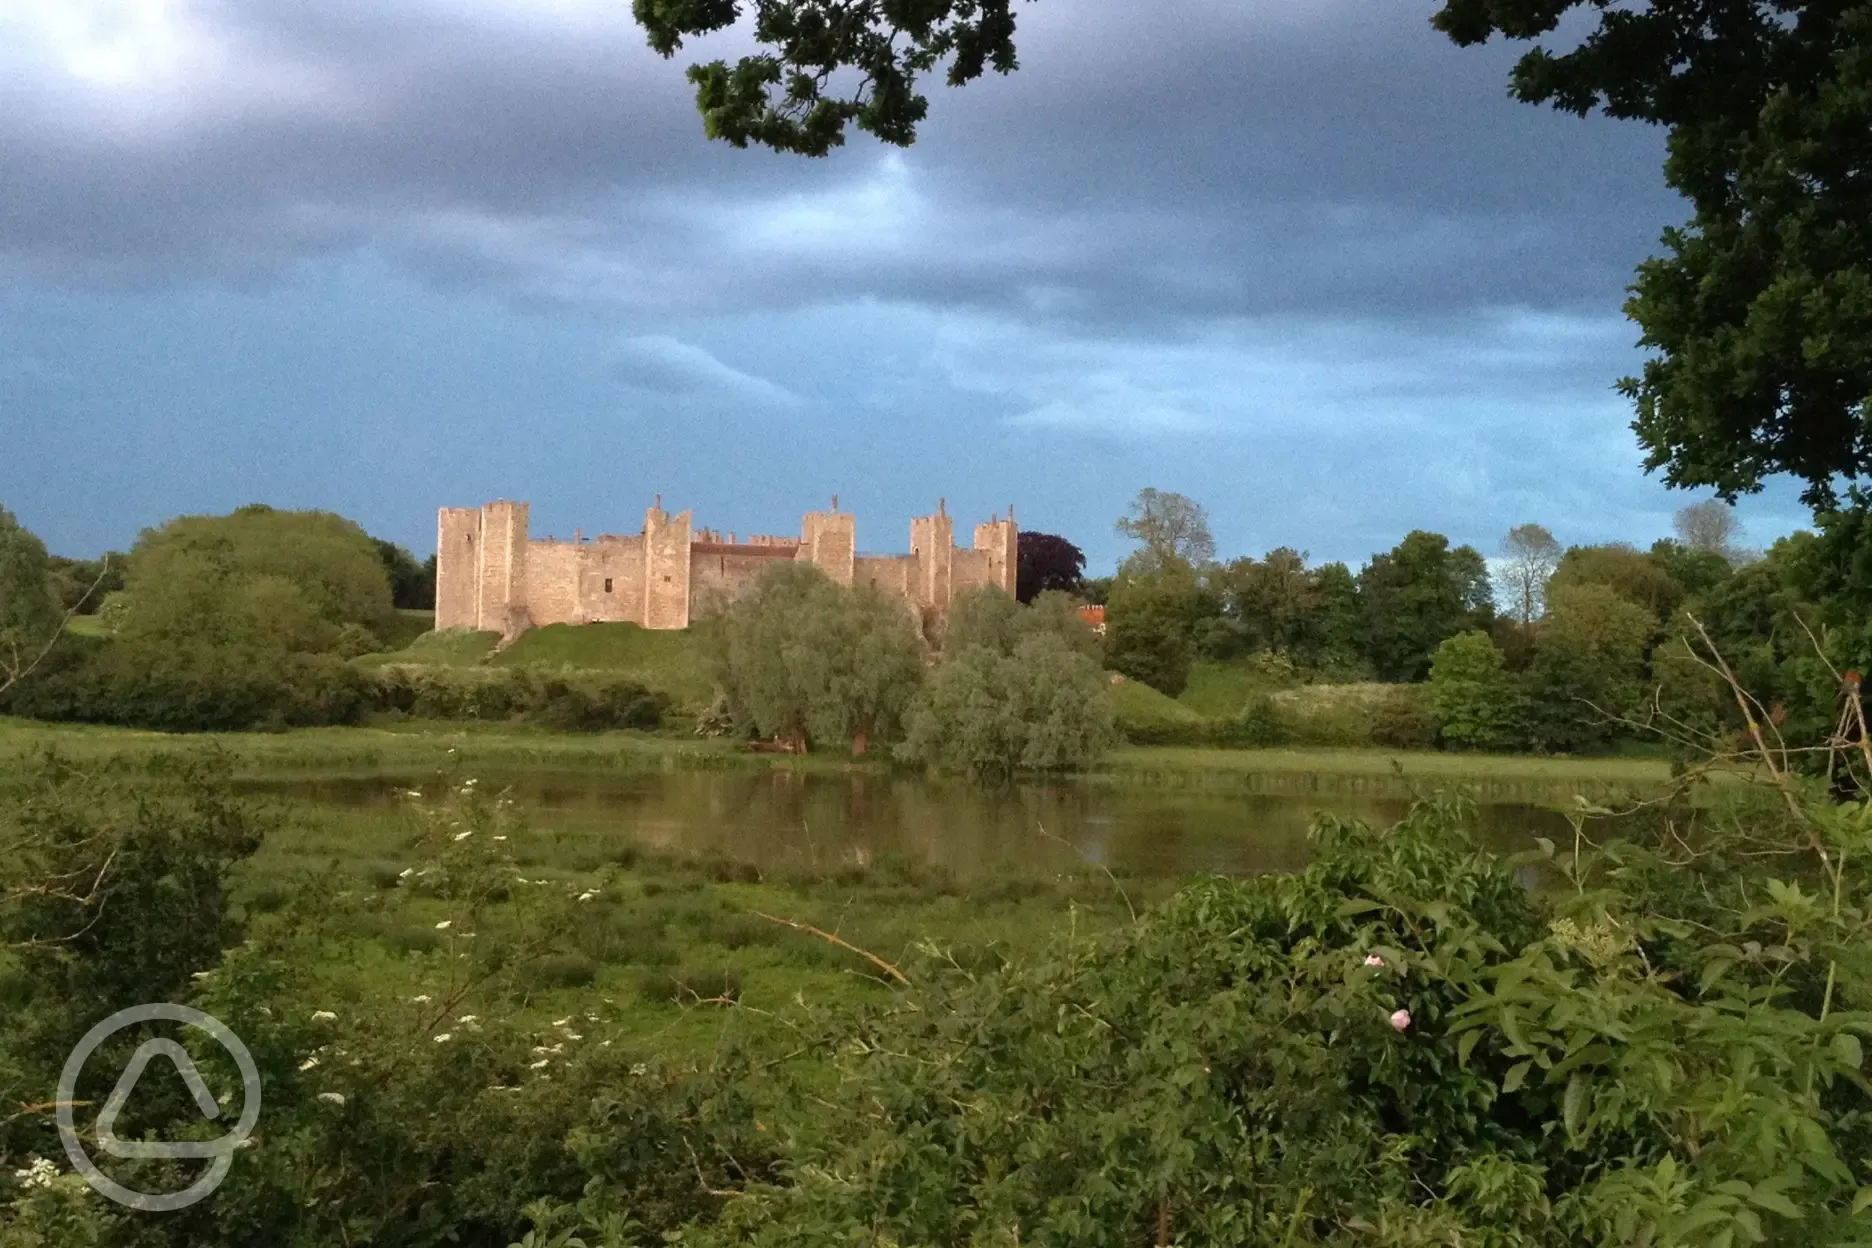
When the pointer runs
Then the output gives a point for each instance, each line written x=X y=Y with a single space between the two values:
x=1147 y=631
x=1414 y=597
x=985 y=616
x=80 y=585
x=1171 y=528
x=802 y=658
x=412 y=584
x=1589 y=657
x=1046 y=561
x=1532 y=555
x=1472 y=697
x=1710 y=527
x=1758 y=314
x=29 y=618
x=259 y=578
x=1634 y=576
x=1040 y=706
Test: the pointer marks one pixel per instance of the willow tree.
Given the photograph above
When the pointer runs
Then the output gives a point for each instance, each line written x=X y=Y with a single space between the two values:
x=802 y=659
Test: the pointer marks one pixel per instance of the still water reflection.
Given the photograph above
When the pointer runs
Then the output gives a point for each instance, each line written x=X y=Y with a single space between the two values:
x=781 y=818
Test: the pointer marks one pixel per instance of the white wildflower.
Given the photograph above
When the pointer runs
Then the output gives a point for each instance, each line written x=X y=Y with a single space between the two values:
x=444 y=925
x=323 y=1016
x=573 y=1035
x=541 y=1064
x=500 y=838
x=38 y=1173
x=560 y=1022
x=308 y=1064
x=462 y=836
x=445 y=1037
x=332 y=1098
x=420 y=1000
x=588 y=894
x=469 y=1018
x=201 y=974
x=405 y=873
x=640 y=1069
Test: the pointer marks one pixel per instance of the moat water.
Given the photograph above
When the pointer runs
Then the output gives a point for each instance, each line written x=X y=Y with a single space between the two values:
x=777 y=819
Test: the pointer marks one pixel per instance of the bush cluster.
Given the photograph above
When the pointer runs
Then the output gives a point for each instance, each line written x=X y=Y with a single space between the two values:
x=182 y=688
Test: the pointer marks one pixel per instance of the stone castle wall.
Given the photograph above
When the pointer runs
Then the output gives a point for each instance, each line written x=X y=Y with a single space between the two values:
x=491 y=575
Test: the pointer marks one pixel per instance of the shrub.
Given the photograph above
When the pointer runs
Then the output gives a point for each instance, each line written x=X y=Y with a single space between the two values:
x=559 y=970
x=1258 y=726
x=1402 y=722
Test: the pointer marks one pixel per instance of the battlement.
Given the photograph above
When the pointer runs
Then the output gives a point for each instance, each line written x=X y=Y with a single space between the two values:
x=491 y=575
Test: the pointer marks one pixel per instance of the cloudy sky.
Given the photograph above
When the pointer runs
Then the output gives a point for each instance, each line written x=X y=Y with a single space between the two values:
x=1302 y=260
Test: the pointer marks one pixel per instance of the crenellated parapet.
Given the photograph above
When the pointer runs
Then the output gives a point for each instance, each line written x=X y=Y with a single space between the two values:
x=492 y=574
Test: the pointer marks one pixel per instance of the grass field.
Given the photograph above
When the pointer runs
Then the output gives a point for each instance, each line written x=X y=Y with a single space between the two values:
x=418 y=746
x=660 y=933
x=669 y=662
x=1220 y=690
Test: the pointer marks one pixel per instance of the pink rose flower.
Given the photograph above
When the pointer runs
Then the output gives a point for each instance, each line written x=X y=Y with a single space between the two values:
x=1372 y=959
x=1400 y=1019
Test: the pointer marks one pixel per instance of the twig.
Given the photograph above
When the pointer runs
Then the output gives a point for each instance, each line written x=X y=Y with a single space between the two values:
x=868 y=956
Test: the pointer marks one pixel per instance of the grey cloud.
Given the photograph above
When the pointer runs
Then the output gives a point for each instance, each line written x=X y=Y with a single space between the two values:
x=665 y=365
x=1146 y=169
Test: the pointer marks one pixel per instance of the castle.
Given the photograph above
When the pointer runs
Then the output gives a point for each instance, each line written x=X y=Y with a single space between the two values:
x=491 y=575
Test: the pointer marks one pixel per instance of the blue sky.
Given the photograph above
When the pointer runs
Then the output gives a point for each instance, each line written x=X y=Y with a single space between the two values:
x=1304 y=262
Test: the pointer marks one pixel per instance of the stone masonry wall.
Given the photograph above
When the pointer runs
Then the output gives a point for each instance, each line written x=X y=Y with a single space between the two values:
x=458 y=567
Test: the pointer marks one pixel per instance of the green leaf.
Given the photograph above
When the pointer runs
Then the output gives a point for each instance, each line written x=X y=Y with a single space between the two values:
x=1466 y=1046
x=1862 y=1201
x=1846 y=1048
x=1713 y=970
x=1517 y=1073
x=1774 y=1202
x=1573 y=1104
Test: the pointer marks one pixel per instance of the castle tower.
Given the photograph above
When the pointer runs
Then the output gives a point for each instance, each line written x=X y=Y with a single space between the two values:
x=666 y=541
x=932 y=546
x=503 y=545
x=830 y=539
x=458 y=567
x=999 y=538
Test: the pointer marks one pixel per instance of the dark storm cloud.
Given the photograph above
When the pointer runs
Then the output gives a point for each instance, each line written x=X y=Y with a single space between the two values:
x=1147 y=167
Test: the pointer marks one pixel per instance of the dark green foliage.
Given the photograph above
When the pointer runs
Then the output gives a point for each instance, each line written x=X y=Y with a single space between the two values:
x=1635 y=577
x=186 y=687
x=1416 y=596
x=29 y=615
x=1473 y=699
x=1147 y=631
x=79 y=585
x=138 y=897
x=1759 y=312
x=412 y=584
x=1258 y=726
